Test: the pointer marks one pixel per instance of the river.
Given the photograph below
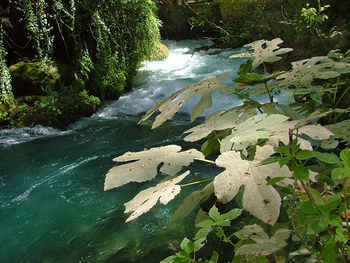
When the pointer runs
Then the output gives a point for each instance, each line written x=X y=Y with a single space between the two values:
x=52 y=204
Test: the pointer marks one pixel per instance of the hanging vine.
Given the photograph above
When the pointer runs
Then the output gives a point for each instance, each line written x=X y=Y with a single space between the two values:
x=5 y=77
x=39 y=26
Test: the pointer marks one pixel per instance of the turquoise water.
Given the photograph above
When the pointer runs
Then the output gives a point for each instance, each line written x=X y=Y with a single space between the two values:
x=52 y=204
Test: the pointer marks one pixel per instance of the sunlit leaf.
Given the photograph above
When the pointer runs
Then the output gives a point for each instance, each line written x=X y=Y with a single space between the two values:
x=145 y=164
x=263 y=244
x=250 y=131
x=146 y=199
x=281 y=134
x=259 y=199
x=264 y=51
x=172 y=104
x=220 y=120
x=304 y=72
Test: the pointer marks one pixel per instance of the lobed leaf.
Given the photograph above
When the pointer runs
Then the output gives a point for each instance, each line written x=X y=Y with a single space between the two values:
x=220 y=120
x=281 y=134
x=263 y=244
x=259 y=199
x=249 y=132
x=146 y=199
x=264 y=51
x=305 y=71
x=169 y=106
x=146 y=163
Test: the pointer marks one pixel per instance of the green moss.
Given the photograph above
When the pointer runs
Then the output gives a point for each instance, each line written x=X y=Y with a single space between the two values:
x=36 y=71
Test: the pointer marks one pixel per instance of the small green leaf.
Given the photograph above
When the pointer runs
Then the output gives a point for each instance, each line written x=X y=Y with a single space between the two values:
x=220 y=233
x=340 y=174
x=284 y=161
x=185 y=245
x=333 y=202
x=171 y=259
x=272 y=159
x=206 y=223
x=301 y=173
x=345 y=157
x=203 y=232
x=214 y=258
x=316 y=196
x=304 y=155
x=342 y=234
x=318 y=225
x=234 y=213
x=328 y=252
x=223 y=223
x=329 y=158
x=308 y=207
x=275 y=180
x=255 y=76
x=335 y=220
x=282 y=149
x=198 y=244
x=214 y=213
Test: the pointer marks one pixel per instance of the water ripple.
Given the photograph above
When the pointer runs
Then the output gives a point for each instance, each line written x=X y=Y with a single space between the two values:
x=65 y=169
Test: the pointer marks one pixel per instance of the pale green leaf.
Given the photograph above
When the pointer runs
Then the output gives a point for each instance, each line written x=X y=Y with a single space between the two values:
x=220 y=120
x=264 y=51
x=172 y=104
x=259 y=199
x=281 y=134
x=146 y=199
x=304 y=72
x=263 y=244
x=146 y=163
x=250 y=131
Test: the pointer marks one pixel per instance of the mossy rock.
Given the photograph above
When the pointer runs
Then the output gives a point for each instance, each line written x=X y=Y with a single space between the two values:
x=36 y=71
x=28 y=78
x=161 y=53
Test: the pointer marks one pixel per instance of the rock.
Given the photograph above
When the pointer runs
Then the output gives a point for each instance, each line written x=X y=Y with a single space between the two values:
x=29 y=77
x=161 y=53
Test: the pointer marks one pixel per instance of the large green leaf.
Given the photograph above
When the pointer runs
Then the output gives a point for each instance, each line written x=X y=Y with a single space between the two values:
x=172 y=104
x=146 y=163
x=250 y=131
x=259 y=199
x=264 y=51
x=146 y=199
x=263 y=244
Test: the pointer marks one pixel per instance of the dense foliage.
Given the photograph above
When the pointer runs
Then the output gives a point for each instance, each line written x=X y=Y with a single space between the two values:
x=94 y=46
x=312 y=26
x=286 y=174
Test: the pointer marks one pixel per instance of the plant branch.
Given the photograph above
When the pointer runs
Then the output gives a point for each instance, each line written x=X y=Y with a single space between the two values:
x=197 y=182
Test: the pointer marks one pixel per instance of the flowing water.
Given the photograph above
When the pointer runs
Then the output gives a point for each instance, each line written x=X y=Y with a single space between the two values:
x=52 y=204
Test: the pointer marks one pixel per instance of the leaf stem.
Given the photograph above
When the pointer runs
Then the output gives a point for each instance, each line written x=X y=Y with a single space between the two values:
x=346 y=212
x=266 y=86
x=197 y=182
x=205 y=160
